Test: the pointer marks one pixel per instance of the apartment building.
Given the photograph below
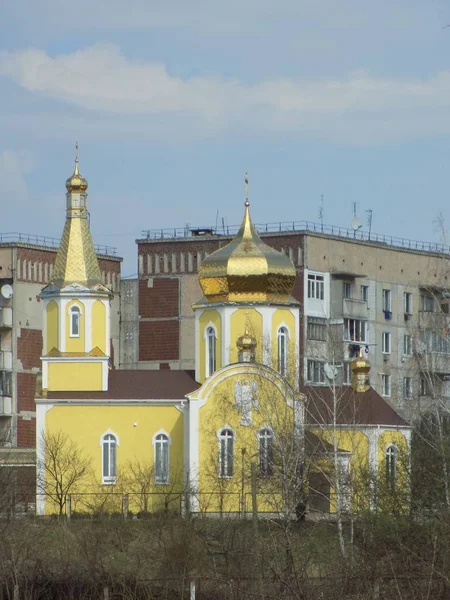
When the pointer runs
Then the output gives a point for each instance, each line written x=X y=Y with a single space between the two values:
x=355 y=289
x=26 y=265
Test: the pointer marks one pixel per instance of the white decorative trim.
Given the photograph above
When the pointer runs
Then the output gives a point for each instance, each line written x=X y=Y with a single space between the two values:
x=198 y=313
x=207 y=349
x=109 y=479
x=41 y=414
x=161 y=432
x=169 y=440
x=109 y=432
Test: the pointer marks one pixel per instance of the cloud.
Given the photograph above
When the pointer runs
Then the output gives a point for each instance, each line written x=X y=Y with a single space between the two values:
x=99 y=79
x=13 y=168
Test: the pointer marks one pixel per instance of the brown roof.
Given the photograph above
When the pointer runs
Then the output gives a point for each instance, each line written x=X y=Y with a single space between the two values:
x=138 y=385
x=317 y=446
x=352 y=408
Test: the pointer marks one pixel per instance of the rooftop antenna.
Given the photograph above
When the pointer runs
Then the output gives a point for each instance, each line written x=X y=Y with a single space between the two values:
x=217 y=219
x=355 y=222
x=369 y=220
x=321 y=211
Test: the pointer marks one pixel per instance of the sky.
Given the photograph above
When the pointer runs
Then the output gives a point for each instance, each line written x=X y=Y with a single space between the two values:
x=171 y=102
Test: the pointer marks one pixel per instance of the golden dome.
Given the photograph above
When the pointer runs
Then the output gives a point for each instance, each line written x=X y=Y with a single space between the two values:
x=76 y=182
x=246 y=341
x=247 y=270
x=360 y=372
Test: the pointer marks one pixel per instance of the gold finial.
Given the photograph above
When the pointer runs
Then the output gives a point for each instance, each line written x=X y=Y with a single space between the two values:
x=76 y=172
x=247 y=203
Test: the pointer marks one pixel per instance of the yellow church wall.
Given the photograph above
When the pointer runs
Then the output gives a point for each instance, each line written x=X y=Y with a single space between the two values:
x=226 y=494
x=283 y=316
x=74 y=376
x=75 y=344
x=209 y=316
x=238 y=321
x=135 y=426
x=52 y=326
x=99 y=326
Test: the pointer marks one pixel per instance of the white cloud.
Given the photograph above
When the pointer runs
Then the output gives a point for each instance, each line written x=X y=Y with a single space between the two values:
x=101 y=80
x=13 y=168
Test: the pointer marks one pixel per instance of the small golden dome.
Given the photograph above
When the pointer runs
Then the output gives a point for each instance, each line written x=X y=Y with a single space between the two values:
x=246 y=341
x=360 y=372
x=247 y=269
x=76 y=182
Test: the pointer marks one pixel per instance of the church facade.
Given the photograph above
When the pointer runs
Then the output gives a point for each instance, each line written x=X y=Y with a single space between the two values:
x=235 y=435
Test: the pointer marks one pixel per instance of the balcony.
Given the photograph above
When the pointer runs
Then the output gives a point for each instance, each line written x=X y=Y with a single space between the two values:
x=5 y=318
x=5 y=360
x=436 y=362
x=353 y=308
x=5 y=406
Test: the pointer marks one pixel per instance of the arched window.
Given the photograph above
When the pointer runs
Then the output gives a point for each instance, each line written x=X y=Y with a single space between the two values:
x=265 y=452
x=211 y=343
x=391 y=467
x=161 y=442
x=109 y=458
x=282 y=350
x=74 y=321
x=226 y=453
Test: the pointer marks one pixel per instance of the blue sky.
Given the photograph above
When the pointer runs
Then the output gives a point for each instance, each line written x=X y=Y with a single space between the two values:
x=171 y=102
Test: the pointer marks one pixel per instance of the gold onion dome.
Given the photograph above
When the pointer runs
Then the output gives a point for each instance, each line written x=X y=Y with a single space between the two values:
x=246 y=341
x=76 y=182
x=247 y=269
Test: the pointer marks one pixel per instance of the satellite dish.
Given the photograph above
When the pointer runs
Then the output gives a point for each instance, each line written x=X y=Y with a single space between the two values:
x=6 y=291
x=330 y=371
x=356 y=224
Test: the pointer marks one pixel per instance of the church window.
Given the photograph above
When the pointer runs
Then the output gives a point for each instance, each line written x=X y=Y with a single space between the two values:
x=282 y=350
x=226 y=453
x=161 y=443
x=211 y=348
x=266 y=452
x=75 y=321
x=391 y=467
x=109 y=459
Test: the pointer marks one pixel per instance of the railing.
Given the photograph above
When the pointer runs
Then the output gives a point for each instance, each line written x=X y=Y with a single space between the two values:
x=298 y=226
x=49 y=242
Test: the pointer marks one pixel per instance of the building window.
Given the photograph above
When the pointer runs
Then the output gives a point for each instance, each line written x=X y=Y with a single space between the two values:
x=385 y=385
x=407 y=387
x=365 y=293
x=427 y=303
x=109 y=458
x=347 y=374
x=282 y=340
x=387 y=304
x=437 y=343
x=386 y=342
x=265 y=452
x=391 y=467
x=347 y=289
x=407 y=345
x=424 y=387
x=316 y=329
x=161 y=443
x=226 y=453
x=315 y=371
x=355 y=330
x=75 y=321
x=211 y=348
x=407 y=303
x=315 y=286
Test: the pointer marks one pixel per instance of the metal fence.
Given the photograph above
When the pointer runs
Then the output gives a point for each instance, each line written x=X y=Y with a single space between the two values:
x=48 y=242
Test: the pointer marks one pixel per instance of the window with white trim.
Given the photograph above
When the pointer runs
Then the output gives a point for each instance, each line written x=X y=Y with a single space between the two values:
x=391 y=467
x=427 y=303
x=355 y=330
x=74 y=321
x=265 y=437
x=365 y=293
x=386 y=342
x=316 y=286
x=161 y=443
x=387 y=301
x=407 y=388
x=315 y=371
x=226 y=453
x=407 y=303
x=407 y=345
x=282 y=341
x=109 y=458
x=385 y=385
x=211 y=349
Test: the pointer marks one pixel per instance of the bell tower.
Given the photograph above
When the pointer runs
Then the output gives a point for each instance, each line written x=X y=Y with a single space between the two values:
x=76 y=305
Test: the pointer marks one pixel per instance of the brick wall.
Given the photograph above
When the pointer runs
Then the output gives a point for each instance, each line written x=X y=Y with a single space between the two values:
x=158 y=340
x=159 y=301
x=29 y=348
x=26 y=391
x=26 y=433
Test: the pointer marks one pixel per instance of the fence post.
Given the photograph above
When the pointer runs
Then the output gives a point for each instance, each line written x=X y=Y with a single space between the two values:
x=69 y=506
x=192 y=591
x=106 y=593
x=125 y=506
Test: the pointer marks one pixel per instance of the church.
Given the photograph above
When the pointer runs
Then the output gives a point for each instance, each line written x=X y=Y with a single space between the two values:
x=239 y=434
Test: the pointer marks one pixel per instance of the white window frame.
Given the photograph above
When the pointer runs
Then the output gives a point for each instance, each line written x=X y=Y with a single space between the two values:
x=226 y=470
x=407 y=345
x=390 y=457
x=265 y=451
x=210 y=350
x=386 y=385
x=408 y=303
x=316 y=286
x=105 y=440
x=360 y=331
x=407 y=388
x=75 y=310
x=387 y=300
x=282 y=349
x=386 y=342
x=364 y=292
x=317 y=367
x=161 y=440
